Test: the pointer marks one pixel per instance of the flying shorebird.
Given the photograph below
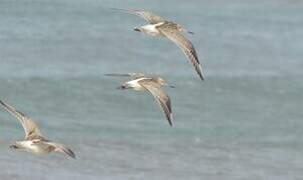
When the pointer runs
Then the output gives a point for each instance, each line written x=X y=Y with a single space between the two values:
x=153 y=85
x=34 y=141
x=160 y=27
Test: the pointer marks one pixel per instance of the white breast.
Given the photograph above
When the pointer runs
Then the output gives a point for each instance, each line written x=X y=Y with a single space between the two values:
x=25 y=144
x=29 y=146
x=135 y=85
x=151 y=29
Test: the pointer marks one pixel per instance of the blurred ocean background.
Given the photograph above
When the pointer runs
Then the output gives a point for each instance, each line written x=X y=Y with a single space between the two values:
x=245 y=122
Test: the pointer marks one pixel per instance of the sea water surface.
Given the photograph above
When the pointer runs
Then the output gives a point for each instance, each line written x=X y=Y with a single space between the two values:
x=244 y=122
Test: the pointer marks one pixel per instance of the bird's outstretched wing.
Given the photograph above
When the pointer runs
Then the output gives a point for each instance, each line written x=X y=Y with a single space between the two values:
x=61 y=148
x=133 y=75
x=187 y=47
x=161 y=97
x=148 y=16
x=30 y=127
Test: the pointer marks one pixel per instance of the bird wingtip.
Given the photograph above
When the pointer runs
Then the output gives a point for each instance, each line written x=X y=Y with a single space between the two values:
x=170 y=120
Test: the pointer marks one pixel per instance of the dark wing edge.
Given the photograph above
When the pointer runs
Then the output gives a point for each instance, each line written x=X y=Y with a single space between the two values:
x=186 y=46
x=148 y=16
x=166 y=105
x=29 y=126
x=62 y=149
x=19 y=115
x=134 y=75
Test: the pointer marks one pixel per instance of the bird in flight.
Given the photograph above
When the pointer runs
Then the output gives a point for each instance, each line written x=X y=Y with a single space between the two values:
x=160 y=27
x=140 y=82
x=34 y=142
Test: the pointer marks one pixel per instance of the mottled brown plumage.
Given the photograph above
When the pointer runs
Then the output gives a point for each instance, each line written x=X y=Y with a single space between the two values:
x=34 y=141
x=173 y=31
x=153 y=85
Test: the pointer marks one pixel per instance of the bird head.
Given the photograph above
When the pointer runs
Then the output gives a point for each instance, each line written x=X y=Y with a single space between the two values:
x=123 y=86
x=137 y=29
x=14 y=146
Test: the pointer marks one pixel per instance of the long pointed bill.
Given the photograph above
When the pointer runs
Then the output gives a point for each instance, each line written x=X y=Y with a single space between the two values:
x=121 y=87
x=137 y=29
x=13 y=146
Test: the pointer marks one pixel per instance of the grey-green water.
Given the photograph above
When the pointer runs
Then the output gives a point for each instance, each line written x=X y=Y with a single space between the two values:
x=243 y=122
